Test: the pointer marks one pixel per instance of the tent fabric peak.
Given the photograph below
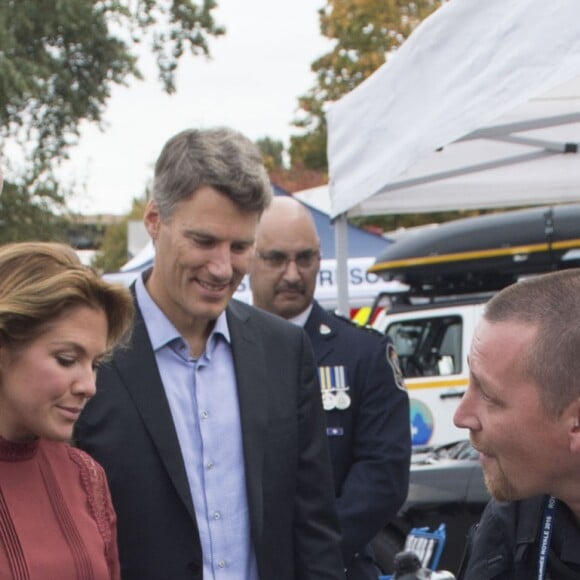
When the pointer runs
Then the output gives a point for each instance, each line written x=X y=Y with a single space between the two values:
x=499 y=69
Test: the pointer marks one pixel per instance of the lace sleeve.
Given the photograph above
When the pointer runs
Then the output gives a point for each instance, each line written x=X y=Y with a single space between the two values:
x=95 y=485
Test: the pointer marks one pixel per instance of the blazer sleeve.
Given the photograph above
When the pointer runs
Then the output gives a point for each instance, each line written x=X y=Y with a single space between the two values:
x=316 y=531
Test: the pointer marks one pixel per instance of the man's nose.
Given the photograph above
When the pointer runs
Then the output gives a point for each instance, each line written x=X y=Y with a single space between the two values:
x=465 y=416
x=220 y=264
x=292 y=272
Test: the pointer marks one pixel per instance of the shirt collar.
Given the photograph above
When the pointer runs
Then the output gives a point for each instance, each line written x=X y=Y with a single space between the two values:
x=301 y=319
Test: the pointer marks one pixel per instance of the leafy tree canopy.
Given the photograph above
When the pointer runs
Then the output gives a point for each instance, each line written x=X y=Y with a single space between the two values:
x=365 y=32
x=30 y=217
x=113 y=251
x=291 y=179
x=59 y=60
x=272 y=152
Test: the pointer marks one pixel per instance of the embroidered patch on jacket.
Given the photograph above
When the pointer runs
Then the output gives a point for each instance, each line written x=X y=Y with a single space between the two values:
x=393 y=360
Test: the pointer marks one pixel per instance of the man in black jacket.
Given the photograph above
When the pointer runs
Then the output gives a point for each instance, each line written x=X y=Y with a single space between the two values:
x=367 y=408
x=522 y=408
x=209 y=424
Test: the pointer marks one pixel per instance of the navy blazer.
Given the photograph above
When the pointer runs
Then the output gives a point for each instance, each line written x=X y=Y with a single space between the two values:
x=128 y=428
x=370 y=439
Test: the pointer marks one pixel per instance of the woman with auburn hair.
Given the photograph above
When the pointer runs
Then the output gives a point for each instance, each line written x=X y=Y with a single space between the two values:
x=58 y=320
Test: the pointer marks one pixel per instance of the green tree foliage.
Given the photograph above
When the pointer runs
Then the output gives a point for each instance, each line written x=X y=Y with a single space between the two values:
x=365 y=32
x=59 y=60
x=113 y=252
x=291 y=179
x=24 y=218
x=272 y=152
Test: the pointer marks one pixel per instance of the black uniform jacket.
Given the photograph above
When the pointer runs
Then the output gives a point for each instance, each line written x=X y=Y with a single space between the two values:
x=128 y=428
x=370 y=441
x=504 y=545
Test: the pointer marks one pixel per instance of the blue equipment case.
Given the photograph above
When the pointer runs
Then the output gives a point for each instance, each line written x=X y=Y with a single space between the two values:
x=427 y=545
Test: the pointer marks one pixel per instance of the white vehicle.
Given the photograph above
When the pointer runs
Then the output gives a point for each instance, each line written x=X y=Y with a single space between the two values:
x=450 y=272
x=433 y=340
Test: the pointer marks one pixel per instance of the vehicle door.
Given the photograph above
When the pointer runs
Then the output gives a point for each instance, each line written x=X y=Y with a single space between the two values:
x=432 y=353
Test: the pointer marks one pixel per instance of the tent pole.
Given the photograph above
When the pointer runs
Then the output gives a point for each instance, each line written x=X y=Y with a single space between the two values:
x=340 y=225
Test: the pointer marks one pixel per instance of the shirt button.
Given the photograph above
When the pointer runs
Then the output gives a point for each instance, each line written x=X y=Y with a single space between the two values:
x=217 y=515
x=204 y=414
x=209 y=464
x=222 y=564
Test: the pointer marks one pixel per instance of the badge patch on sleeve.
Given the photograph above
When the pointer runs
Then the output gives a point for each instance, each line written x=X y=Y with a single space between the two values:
x=393 y=360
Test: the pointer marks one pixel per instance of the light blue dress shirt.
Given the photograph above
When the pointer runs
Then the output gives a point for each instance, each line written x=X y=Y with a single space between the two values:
x=203 y=398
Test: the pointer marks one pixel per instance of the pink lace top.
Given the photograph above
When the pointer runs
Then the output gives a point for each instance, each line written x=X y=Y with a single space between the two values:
x=56 y=516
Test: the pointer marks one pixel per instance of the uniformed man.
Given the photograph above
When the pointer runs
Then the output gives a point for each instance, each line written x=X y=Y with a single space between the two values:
x=367 y=407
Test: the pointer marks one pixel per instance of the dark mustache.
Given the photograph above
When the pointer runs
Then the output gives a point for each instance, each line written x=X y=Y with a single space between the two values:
x=292 y=286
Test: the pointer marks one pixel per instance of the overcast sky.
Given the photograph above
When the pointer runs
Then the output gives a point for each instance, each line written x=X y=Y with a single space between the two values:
x=258 y=70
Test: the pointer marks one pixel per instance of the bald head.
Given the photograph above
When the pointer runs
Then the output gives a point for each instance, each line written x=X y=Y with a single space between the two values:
x=284 y=270
x=282 y=217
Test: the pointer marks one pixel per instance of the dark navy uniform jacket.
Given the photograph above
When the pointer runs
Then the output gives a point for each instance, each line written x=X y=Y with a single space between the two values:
x=369 y=439
x=504 y=545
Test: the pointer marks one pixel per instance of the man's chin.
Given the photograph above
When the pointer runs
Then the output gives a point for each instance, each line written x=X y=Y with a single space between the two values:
x=500 y=494
x=290 y=309
x=208 y=309
x=500 y=488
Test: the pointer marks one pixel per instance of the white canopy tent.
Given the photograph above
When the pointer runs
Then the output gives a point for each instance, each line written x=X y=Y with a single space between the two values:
x=479 y=108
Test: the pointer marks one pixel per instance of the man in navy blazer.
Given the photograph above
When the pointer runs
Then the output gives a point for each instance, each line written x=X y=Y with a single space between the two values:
x=209 y=423
x=366 y=404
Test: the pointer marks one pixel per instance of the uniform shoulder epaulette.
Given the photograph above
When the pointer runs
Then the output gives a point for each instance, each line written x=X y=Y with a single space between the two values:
x=366 y=327
x=340 y=316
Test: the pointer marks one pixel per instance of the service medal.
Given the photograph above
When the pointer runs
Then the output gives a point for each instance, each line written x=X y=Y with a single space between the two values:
x=329 y=401
x=342 y=400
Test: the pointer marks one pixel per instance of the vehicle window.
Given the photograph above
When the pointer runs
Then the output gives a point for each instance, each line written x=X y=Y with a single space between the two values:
x=428 y=346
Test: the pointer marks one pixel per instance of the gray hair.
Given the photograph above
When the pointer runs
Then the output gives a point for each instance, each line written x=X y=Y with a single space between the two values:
x=551 y=303
x=220 y=158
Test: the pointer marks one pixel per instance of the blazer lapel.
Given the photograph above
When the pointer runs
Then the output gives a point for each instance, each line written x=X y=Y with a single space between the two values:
x=141 y=378
x=249 y=358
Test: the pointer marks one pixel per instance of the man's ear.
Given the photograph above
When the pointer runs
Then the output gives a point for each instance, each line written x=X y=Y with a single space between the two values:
x=152 y=219
x=572 y=417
